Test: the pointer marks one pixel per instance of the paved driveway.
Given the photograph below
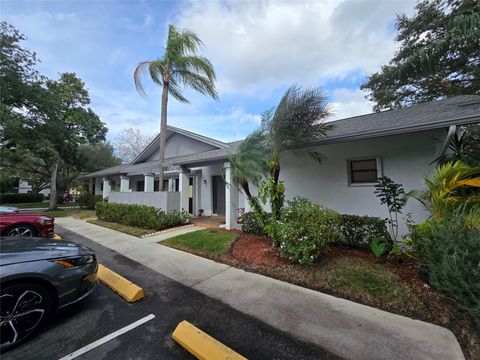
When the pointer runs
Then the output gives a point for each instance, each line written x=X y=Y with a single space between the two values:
x=170 y=302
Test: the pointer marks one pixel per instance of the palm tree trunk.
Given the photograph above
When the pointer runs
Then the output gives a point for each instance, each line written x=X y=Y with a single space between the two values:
x=163 y=133
x=53 y=185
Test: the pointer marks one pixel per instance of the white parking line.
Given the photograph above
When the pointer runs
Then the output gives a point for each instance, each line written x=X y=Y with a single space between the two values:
x=107 y=338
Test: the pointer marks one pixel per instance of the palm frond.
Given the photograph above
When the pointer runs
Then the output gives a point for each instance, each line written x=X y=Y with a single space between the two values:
x=249 y=162
x=299 y=120
x=138 y=76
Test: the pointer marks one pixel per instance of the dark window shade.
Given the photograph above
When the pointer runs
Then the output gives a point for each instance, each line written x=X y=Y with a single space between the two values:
x=140 y=185
x=155 y=185
x=363 y=171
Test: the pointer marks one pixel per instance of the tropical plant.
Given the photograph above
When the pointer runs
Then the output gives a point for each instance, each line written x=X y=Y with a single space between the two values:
x=449 y=251
x=178 y=67
x=249 y=165
x=438 y=56
x=294 y=125
x=381 y=246
x=392 y=195
x=464 y=146
x=451 y=185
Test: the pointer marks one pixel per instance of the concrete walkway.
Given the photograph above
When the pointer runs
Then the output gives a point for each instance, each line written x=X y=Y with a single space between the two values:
x=345 y=328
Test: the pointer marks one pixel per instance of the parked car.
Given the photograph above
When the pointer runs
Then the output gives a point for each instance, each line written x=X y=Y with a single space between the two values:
x=38 y=276
x=8 y=209
x=13 y=224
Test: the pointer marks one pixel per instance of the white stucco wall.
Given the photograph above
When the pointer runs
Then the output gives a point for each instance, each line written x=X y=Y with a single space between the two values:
x=178 y=145
x=406 y=159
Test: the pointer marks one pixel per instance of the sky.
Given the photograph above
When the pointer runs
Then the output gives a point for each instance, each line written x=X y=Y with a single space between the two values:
x=258 y=49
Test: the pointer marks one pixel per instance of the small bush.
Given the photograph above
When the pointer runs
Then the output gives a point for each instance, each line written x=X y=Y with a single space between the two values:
x=450 y=252
x=304 y=229
x=359 y=230
x=16 y=198
x=88 y=201
x=142 y=216
x=251 y=224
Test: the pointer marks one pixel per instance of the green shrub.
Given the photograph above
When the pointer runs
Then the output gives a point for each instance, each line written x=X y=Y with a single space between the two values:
x=16 y=198
x=88 y=201
x=450 y=252
x=416 y=240
x=251 y=224
x=142 y=216
x=359 y=230
x=304 y=229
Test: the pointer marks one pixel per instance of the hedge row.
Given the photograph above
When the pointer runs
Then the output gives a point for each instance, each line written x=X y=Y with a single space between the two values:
x=142 y=216
x=88 y=201
x=16 y=198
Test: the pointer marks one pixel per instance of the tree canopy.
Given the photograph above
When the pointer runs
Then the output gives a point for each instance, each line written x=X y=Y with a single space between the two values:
x=44 y=122
x=130 y=142
x=439 y=56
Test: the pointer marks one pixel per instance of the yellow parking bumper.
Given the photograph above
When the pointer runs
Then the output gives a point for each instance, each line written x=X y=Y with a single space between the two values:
x=202 y=345
x=56 y=237
x=126 y=289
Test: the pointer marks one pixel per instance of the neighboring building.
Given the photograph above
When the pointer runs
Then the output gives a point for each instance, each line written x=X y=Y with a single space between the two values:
x=401 y=144
x=25 y=188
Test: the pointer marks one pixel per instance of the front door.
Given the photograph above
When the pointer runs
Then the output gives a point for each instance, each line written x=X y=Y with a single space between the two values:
x=218 y=195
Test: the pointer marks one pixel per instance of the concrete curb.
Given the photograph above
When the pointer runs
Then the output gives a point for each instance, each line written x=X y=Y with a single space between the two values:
x=126 y=289
x=201 y=345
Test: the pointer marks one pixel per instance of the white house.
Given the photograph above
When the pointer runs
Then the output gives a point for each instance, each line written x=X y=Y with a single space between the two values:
x=401 y=144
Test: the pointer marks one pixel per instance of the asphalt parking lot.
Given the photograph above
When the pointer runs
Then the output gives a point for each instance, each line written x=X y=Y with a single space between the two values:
x=104 y=312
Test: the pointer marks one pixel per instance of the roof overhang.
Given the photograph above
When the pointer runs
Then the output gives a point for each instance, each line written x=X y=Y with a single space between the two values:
x=398 y=131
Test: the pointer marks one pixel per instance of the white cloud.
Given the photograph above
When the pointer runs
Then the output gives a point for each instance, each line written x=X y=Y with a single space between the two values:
x=258 y=46
x=349 y=102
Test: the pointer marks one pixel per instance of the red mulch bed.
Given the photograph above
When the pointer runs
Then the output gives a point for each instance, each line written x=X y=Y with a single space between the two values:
x=255 y=250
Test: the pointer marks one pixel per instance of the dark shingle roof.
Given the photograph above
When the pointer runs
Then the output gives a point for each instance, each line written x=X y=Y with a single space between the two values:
x=437 y=114
x=451 y=111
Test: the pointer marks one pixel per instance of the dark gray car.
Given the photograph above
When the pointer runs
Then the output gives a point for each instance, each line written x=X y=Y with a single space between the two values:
x=38 y=276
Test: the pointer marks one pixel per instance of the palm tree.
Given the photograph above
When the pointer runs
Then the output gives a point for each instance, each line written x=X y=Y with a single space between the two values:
x=249 y=165
x=452 y=185
x=178 y=67
x=294 y=125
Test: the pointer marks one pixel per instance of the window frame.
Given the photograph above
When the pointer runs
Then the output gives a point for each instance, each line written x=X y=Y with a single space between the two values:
x=378 y=160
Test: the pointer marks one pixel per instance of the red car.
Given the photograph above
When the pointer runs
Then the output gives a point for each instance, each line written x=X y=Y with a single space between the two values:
x=15 y=224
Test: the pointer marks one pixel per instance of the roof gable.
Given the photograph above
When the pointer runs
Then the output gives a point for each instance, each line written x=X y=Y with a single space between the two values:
x=192 y=143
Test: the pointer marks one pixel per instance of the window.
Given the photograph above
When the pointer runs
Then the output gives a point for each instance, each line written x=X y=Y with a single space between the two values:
x=140 y=185
x=155 y=185
x=363 y=171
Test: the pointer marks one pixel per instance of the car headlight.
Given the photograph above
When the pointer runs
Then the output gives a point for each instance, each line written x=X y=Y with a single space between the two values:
x=75 y=261
x=45 y=220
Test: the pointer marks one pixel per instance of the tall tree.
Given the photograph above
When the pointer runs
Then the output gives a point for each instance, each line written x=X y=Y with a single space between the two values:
x=59 y=123
x=130 y=142
x=178 y=67
x=439 y=56
x=294 y=125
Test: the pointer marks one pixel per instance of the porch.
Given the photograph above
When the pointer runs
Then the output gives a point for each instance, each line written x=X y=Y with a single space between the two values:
x=190 y=188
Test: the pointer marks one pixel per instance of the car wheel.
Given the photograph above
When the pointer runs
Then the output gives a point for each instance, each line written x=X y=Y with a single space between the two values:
x=23 y=309
x=22 y=230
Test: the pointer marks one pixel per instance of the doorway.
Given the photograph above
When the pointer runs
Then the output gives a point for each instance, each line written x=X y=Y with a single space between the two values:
x=218 y=185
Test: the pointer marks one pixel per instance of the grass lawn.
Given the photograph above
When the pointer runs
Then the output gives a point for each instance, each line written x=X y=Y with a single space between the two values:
x=203 y=242
x=76 y=213
x=363 y=279
x=130 y=230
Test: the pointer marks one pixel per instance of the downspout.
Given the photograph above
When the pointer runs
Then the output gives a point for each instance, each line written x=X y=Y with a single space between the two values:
x=452 y=129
